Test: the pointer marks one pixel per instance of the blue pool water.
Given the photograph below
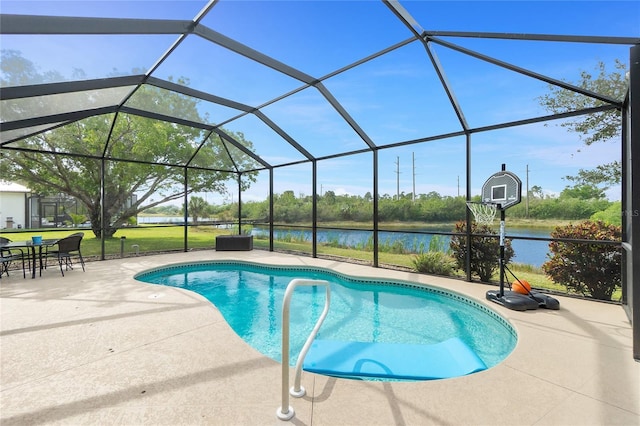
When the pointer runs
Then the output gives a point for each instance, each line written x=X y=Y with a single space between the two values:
x=249 y=296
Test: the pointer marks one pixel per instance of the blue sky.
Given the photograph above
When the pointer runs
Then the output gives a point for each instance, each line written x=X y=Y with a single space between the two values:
x=394 y=98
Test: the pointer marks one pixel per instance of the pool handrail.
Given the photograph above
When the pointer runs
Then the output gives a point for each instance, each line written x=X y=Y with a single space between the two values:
x=286 y=412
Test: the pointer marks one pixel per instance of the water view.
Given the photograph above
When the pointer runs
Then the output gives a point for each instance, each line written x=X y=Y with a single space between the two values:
x=526 y=251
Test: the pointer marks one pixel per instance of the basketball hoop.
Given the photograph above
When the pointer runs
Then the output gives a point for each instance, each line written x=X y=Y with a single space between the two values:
x=484 y=213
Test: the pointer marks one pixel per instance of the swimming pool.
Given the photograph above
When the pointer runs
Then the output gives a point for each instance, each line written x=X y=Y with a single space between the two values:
x=250 y=296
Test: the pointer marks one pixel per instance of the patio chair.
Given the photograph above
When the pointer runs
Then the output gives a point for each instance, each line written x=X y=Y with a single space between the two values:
x=67 y=247
x=9 y=255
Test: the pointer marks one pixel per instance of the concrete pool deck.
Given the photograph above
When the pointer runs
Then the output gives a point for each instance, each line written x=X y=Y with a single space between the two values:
x=98 y=347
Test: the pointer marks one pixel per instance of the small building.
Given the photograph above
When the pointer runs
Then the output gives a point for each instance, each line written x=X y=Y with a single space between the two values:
x=13 y=205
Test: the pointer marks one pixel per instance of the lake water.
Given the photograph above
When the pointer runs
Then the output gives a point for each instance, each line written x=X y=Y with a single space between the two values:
x=526 y=251
x=162 y=219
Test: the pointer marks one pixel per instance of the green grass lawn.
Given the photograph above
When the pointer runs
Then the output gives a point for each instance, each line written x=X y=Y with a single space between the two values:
x=148 y=239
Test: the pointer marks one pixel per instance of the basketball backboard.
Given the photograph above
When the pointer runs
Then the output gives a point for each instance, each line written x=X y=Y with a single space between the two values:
x=503 y=188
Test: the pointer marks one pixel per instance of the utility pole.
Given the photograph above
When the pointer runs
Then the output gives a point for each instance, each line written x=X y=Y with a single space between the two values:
x=413 y=161
x=526 y=205
x=397 y=178
x=458 y=185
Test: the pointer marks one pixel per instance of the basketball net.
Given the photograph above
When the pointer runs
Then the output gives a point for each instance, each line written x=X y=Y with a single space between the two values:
x=484 y=214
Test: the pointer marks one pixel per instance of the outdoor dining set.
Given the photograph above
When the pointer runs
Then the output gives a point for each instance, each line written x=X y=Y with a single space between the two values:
x=32 y=255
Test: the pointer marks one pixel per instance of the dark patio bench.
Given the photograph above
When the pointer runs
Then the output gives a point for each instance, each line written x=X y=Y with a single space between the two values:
x=234 y=242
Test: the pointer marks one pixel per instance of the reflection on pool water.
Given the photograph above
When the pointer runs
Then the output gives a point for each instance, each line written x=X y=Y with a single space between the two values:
x=250 y=295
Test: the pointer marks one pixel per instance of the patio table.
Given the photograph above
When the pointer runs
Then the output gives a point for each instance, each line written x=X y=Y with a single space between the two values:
x=30 y=246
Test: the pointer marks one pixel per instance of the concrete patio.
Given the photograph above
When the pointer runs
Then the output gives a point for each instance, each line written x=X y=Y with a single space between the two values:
x=98 y=347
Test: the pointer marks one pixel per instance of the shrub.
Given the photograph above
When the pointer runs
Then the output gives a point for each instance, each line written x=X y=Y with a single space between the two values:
x=612 y=215
x=438 y=243
x=590 y=269
x=434 y=262
x=79 y=219
x=485 y=251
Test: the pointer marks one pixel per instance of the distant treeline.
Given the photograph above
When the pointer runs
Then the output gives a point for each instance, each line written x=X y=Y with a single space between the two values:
x=431 y=207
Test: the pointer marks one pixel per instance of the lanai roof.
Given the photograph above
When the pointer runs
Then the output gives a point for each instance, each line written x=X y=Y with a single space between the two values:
x=298 y=94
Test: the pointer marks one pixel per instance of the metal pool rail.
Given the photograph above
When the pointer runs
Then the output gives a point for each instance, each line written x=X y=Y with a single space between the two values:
x=286 y=412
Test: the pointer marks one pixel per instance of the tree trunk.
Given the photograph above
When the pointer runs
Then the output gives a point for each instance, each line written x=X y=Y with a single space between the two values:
x=96 y=225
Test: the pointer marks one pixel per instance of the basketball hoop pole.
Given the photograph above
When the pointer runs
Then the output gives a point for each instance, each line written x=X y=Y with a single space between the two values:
x=502 y=234
x=503 y=190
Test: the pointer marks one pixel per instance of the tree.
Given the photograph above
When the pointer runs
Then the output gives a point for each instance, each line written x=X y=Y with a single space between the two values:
x=598 y=127
x=583 y=192
x=17 y=71
x=130 y=187
x=592 y=184
x=330 y=197
x=198 y=207
x=536 y=192
x=600 y=175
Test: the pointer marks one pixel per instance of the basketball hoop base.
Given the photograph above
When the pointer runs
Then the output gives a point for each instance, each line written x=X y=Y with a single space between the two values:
x=522 y=302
